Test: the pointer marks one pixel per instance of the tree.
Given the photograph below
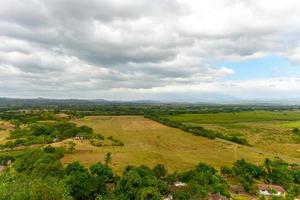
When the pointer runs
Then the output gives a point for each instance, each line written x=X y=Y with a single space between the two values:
x=129 y=184
x=160 y=171
x=241 y=167
x=101 y=170
x=31 y=187
x=149 y=193
x=267 y=164
x=49 y=149
x=70 y=147
x=82 y=186
x=280 y=173
x=108 y=158
x=75 y=167
x=296 y=130
x=181 y=195
x=203 y=167
x=248 y=183
x=226 y=171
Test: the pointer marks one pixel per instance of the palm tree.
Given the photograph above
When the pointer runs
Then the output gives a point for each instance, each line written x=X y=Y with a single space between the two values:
x=267 y=165
x=108 y=158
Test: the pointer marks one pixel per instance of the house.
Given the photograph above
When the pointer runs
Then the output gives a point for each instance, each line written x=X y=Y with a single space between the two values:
x=79 y=137
x=237 y=189
x=55 y=140
x=179 y=184
x=168 y=197
x=270 y=190
x=216 y=197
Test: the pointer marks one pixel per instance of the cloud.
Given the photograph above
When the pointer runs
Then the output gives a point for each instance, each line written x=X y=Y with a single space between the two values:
x=64 y=47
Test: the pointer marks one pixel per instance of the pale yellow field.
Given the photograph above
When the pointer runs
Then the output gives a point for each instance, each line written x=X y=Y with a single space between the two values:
x=148 y=142
x=266 y=136
x=6 y=126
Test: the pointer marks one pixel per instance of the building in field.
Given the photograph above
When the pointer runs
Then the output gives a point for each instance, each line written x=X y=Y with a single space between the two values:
x=237 y=189
x=271 y=190
x=168 y=197
x=179 y=184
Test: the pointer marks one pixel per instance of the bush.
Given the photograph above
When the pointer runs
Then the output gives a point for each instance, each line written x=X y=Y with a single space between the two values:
x=226 y=171
x=296 y=130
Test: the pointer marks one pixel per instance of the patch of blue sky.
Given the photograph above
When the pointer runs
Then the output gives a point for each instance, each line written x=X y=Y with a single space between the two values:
x=261 y=68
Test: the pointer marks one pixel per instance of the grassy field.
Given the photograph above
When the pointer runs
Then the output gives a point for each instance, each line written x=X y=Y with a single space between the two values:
x=294 y=124
x=148 y=142
x=266 y=130
x=225 y=118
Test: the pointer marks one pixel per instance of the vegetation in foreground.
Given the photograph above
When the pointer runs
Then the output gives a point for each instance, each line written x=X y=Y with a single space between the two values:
x=38 y=174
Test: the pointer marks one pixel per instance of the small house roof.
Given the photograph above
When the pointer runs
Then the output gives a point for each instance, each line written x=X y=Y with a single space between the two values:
x=179 y=184
x=237 y=188
x=278 y=188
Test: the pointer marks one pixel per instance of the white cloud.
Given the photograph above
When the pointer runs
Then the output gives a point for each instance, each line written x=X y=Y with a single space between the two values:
x=118 y=48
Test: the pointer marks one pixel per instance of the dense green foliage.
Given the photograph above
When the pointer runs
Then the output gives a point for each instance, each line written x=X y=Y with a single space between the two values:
x=272 y=172
x=48 y=132
x=38 y=174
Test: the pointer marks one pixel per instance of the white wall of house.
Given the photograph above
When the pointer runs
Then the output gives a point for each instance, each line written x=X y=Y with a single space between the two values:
x=267 y=193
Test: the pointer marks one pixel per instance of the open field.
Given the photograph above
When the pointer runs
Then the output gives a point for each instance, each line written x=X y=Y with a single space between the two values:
x=294 y=124
x=238 y=117
x=148 y=142
x=5 y=127
x=265 y=130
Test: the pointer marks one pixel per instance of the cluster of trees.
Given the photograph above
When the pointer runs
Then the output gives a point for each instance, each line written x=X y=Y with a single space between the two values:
x=199 y=131
x=45 y=127
x=201 y=181
x=99 y=143
x=19 y=117
x=46 y=132
x=39 y=174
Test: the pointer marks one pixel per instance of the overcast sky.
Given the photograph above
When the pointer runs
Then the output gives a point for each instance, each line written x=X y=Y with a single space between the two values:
x=171 y=50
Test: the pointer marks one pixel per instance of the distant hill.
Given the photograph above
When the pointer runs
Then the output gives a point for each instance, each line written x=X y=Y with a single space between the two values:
x=42 y=102
x=48 y=102
x=15 y=102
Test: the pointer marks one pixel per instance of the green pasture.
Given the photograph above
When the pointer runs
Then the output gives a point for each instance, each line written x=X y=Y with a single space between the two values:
x=237 y=117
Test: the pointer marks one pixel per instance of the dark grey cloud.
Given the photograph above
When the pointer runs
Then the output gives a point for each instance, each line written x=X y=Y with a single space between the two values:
x=68 y=46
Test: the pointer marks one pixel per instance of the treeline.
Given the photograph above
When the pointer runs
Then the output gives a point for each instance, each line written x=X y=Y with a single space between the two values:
x=46 y=111
x=166 y=109
x=199 y=131
x=20 y=117
x=38 y=174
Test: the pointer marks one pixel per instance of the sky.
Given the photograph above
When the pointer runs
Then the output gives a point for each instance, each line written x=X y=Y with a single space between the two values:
x=168 y=50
